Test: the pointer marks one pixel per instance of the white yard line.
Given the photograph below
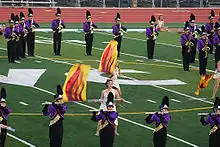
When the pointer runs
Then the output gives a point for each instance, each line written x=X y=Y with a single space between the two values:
x=23 y=103
x=125 y=119
x=177 y=59
x=151 y=101
x=175 y=100
x=21 y=140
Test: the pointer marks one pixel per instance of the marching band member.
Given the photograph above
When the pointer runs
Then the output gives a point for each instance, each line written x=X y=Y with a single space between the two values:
x=88 y=27
x=4 y=112
x=214 y=121
x=217 y=25
x=30 y=26
x=56 y=112
x=107 y=119
x=216 y=43
x=117 y=31
x=186 y=43
x=151 y=34
x=18 y=34
x=57 y=25
x=216 y=77
x=23 y=36
x=210 y=29
x=203 y=48
x=10 y=37
x=161 y=119
x=194 y=30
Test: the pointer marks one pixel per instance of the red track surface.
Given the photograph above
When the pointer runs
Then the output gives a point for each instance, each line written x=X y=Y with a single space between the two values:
x=171 y=15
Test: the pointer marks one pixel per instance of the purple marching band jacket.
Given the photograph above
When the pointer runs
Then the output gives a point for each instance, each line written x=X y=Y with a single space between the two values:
x=11 y=33
x=186 y=41
x=216 y=40
x=29 y=23
x=56 y=25
x=88 y=27
x=4 y=112
x=203 y=45
x=214 y=122
x=161 y=121
x=209 y=28
x=117 y=30
x=55 y=112
x=151 y=33
x=194 y=31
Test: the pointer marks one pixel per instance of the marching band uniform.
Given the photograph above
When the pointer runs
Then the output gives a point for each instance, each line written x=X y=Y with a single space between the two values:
x=151 y=33
x=216 y=43
x=56 y=113
x=194 y=31
x=210 y=30
x=203 y=48
x=107 y=119
x=214 y=121
x=23 y=36
x=186 y=43
x=4 y=112
x=88 y=29
x=10 y=37
x=18 y=34
x=57 y=25
x=117 y=31
x=161 y=121
x=30 y=25
x=217 y=24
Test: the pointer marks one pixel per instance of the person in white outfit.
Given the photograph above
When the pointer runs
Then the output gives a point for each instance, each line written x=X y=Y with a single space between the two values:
x=216 y=77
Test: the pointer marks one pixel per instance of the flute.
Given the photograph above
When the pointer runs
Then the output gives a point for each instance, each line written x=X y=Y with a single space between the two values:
x=156 y=112
x=200 y=114
x=49 y=103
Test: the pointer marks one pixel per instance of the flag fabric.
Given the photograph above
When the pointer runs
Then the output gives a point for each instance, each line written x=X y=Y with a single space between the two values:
x=74 y=88
x=109 y=58
x=204 y=81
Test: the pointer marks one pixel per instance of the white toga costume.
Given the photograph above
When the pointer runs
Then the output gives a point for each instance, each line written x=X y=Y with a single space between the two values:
x=114 y=79
x=216 y=75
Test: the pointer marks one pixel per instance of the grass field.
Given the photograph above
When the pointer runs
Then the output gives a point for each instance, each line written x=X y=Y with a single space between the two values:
x=185 y=128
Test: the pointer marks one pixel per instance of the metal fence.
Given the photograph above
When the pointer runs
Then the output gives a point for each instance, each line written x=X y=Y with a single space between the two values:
x=111 y=3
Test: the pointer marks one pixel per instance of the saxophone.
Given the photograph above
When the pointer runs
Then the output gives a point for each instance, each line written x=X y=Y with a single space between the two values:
x=91 y=28
x=206 y=48
x=18 y=37
x=32 y=25
x=195 y=33
x=121 y=30
x=154 y=34
x=189 y=44
x=60 y=27
x=25 y=30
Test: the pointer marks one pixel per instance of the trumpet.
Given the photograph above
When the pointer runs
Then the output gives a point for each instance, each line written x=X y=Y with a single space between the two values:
x=91 y=28
x=60 y=27
x=206 y=48
x=32 y=26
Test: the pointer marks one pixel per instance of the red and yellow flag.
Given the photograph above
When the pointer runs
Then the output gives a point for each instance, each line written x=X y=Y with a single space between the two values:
x=109 y=58
x=204 y=81
x=74 y=88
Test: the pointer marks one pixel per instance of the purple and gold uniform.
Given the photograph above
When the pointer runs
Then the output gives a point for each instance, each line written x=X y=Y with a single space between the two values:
x=107 y=131
x=57 y=25
x=30 y=25
x=23 y=36
x=161 y=121
x=210 y=30
x=56 y=112
x=88 y=27
x=4 y=112
x=151 y=34
x=117 y=31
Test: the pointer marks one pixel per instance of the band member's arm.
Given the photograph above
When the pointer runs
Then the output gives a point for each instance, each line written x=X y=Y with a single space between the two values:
x=94 y=25
x=183 y=40
x=123 y=28
x=62 y=23
x=98 y=117
x=7 y=33
x=165 y=118
x=86 y=27
x=21 y=30
x=215 y=41
x=203 y=121
x=36 y=24
x=200 y=45
x=1 y=32
x=150 y=118
x=45 y=110
x=115 y=30
x=6 y=110
x=117 y=95
x=54 y=25
x=27 y=26
x=208 y=28
x=61 y=107
x=148 y=33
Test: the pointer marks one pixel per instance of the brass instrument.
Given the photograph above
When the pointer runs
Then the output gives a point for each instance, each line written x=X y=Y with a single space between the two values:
x=91 y=28
x=18 y=37
x=60 y=27
x=154 y=34
x=189 y=44
x=32 y=25
x=195 y=33
x=206 y=48
x=121 y=31
x=13 y=35
x=25 y=30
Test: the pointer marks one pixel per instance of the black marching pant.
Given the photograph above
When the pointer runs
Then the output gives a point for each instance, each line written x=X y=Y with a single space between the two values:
x=186 y=59
x=56 y=134
x=11 y=50
x=22 y=44
x=160 y=138
x=210 y=37
x=3 y=134
x=17 y=50
x=89 y=40
x=202 y=63
x=214 y=140
x=30 y=43
x=107 y=135
x=57 y=37
x=150 y=48
x=193 y=52
x=217 y=55
x=118 y=39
